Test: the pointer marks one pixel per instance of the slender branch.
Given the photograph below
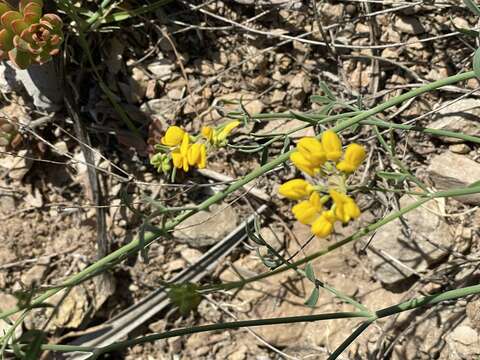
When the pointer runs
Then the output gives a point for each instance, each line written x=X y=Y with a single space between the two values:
x=212 y=327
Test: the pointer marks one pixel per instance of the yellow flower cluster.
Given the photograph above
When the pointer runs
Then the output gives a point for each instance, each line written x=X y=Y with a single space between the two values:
x=323 y=157
x=183 y=150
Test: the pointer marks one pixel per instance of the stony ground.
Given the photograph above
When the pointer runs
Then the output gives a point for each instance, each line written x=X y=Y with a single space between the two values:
x=182 y=65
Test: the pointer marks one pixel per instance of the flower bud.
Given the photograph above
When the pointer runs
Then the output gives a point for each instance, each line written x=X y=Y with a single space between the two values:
x=332 y=145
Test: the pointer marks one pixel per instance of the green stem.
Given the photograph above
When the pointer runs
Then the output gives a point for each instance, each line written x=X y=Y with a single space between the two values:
x=388 y=311
x=358 y=331
x=212 y=327
x=149 y=237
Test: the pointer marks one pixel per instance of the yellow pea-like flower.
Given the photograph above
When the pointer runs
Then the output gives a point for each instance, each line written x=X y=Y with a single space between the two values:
x=194 y=154
x=354 y=156
x=305 y=212
x=177 y=159
x=308 y=211
x=296 y=189
x=332 y=145
x=197 y=155
x=203 y=157
x=302 y=163
x=173 y=136
x=323 y=226
x=225 y=132
x=184 y=147
x=345 y=207
x=312 y=149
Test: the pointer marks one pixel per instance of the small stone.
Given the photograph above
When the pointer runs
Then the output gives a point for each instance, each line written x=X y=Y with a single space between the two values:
x=162 y=69
x=401 y=248
x=277 y=97
x=73 y=309
x=464 y=342
x=207 y=228
x=462 y=116
x=17 y=166
x=191 y=256
x=409 y=25
x=175 y=265
x=175 y=94
x=61 y=147
x=449 y=171
x=175 y=345
x=34 y=276
x=459 y=148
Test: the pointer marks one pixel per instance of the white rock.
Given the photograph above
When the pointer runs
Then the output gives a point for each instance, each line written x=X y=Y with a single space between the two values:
x=206 y=228
x=401 y=248
x=461 y=116
x=450 y=170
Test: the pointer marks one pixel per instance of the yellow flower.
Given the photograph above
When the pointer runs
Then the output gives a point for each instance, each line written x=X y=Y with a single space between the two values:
x=354 y=155
x=332 y=145
x=312 y=150
x=173 y=136
x=208 y=132
x=180 y=156
x=302 y=163
x=307 y=211
x=219 y=137
x=225 y=132
x=197 y=155
x=345 y=207
x=323 y=226
x=296 y=189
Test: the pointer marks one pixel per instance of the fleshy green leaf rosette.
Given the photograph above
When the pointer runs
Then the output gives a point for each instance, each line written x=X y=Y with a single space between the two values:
x=27 y=37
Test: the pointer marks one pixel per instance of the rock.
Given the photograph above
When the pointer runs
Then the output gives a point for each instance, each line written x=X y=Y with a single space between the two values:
x=138 y=83
x=17 y=166
x=409 y=25
x=191 y=255
x=8 y=80
x=162 y=69
x=239 y=354
x=35 y=275
x=397 y=251
x=462 y=343
x=175 y=265
x=231 y=102
x=73 y=310
x=43 y=84
x=206 y=228
x=462 y=116
x=163 y=107
x=473 y=313
x=283 y=126
x=459 y=148
x=450 y=170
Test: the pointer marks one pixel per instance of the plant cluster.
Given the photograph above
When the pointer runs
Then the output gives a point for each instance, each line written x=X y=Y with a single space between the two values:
x=182 y=150
x=27 y=37
x=322 y=160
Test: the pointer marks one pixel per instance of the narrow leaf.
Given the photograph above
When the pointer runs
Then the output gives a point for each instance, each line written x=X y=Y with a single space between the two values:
x=309 y=273
x=392 y=176
x=472 y=6
x=313 y=298
x=474 y=184
x=476 y=63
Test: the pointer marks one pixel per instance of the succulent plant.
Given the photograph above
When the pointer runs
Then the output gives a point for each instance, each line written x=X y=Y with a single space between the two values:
x=27 y=37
